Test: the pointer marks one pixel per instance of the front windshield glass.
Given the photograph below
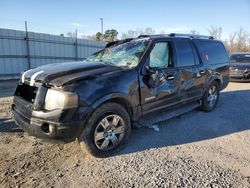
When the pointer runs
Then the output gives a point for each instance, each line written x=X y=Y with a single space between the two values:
x=240 y=58
x=124 y=55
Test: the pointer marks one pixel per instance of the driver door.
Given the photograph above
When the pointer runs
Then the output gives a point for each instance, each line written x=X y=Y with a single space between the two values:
x=161 y=82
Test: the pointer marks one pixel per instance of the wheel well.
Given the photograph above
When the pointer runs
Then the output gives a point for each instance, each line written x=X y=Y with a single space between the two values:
x=218 y=81
x=124 y=103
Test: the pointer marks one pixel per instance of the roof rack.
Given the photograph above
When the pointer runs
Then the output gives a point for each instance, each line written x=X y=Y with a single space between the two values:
x=190 y=36
x=143 y=36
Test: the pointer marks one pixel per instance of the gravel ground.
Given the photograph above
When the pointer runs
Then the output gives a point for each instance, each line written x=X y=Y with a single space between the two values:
x=195 y=150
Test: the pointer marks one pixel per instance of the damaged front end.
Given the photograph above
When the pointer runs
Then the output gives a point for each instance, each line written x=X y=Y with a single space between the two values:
x=246 y=75
x=46 y=112
x=239 y=74
x=47 y=103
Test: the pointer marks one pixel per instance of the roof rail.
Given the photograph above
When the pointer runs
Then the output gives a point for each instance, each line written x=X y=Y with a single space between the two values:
x=143 y=36
x=190 y=36
x=114 y=43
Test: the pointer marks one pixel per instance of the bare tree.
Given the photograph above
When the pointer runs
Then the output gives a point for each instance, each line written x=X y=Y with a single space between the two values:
x=148 y=31
x=230 y=43
x=238 y=41
x=137 y=32
x=248 y=43
x=241 y=40
x=71 y=34
x=215 y=31
x=194 y=32
x=90 y=37
x=129 y=34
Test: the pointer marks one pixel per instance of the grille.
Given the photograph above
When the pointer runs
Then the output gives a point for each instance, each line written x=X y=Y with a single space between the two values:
x=26 y=92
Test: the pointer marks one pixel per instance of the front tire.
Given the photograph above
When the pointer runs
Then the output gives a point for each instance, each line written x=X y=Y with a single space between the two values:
x=210 y=97
x=106 y=131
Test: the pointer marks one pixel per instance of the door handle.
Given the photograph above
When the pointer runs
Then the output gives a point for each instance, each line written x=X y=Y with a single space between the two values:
x=170 y=77
x=202 y=72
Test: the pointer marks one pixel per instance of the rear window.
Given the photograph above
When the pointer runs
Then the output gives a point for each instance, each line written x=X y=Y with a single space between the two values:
x=213 y=52
x=240 y=58
x=185 y=54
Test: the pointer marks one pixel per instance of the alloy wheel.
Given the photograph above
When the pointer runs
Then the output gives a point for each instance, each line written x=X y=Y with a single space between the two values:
x=109 y=132
x=212 y=96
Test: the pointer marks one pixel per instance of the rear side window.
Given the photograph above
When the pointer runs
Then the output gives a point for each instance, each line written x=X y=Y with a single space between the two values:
x=213 y=52
x=185 y=53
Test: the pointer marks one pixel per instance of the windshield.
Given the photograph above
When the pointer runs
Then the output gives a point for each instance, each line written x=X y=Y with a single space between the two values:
x=123 y=55
x=240 y=58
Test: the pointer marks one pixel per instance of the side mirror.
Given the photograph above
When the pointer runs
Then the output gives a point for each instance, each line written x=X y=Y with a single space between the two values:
x=150 y=70
x=152 y=79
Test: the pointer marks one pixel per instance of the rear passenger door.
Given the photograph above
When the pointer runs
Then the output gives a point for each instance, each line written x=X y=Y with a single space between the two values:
x=187 y=61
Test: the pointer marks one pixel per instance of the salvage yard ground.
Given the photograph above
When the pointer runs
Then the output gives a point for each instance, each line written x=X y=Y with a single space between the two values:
x=197 y=149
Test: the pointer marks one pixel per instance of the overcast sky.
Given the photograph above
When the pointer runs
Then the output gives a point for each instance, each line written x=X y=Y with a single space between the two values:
x=61 y=16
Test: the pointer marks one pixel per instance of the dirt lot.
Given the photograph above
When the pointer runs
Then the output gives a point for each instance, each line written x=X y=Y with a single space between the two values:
x=195 y=150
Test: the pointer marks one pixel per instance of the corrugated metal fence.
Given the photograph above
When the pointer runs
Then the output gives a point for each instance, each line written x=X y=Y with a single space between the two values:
x=20 y=50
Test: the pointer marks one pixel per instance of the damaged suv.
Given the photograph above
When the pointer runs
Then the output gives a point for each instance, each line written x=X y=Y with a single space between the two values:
x=240 y=67
x=130 y=83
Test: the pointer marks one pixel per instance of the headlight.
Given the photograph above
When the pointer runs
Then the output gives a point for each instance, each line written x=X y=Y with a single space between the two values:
x=60 y=100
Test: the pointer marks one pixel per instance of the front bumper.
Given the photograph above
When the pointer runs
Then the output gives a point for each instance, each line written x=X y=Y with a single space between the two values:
x=240 y=77
x=57 y=124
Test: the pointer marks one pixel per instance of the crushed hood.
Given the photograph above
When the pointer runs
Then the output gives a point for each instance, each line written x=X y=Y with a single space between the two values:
x=60 y=74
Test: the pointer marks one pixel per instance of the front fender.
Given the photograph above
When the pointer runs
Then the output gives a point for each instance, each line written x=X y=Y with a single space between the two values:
x=122 y=99
x=110 y=97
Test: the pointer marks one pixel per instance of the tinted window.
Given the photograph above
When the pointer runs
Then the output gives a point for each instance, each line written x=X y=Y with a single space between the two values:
x=213 y=52
x=185 y=54
x=240 y=58
x=159 y=56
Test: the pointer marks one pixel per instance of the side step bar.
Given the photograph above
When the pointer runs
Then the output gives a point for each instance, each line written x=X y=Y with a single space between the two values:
x=167 y=115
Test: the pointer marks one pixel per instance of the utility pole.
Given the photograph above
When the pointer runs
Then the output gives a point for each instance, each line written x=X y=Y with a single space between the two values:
x=27 y=44
x=102 y=27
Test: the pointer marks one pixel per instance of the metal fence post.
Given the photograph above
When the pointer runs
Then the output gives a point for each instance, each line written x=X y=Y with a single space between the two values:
x=27 y=44
x=76 y=48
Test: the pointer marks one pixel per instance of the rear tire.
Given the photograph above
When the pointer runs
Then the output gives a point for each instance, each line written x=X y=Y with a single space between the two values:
x=210 y=97
x=107 y=130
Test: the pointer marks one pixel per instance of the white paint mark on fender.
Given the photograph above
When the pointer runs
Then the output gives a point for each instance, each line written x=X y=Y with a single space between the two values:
x=32 y=80
x=23 y=78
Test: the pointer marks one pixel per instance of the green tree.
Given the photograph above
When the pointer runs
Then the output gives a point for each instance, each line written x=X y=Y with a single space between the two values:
x=98 y=36
x=110 y=35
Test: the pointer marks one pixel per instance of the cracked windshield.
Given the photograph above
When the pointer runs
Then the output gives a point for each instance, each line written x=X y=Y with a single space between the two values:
x=124 y=55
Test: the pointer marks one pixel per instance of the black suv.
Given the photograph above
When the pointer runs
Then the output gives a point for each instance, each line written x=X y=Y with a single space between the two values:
x=132 y=82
